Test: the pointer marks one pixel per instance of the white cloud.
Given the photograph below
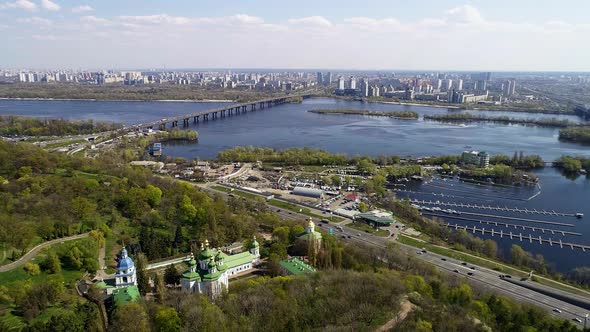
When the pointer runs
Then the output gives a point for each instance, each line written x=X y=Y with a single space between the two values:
x=38 y=21
x=155 y=19
x=50 y=5
x=246 y=19
x=94 y=20
x=318 y=21
x=464 y=14
x=20 y=4
x=82 y=9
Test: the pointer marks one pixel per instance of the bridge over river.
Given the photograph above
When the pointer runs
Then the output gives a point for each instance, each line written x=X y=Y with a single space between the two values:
x=229 y=110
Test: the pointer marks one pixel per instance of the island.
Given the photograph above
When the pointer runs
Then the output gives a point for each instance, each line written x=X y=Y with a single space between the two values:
x=410 y=115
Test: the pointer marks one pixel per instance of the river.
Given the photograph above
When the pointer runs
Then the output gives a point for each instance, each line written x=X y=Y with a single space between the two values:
x=290 y=125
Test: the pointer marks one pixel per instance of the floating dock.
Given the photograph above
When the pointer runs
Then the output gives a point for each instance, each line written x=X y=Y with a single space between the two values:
x=531 y=239
x=496 y=208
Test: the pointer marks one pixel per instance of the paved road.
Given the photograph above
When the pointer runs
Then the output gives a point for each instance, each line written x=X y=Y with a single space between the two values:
x=481 y=277
x=33 y=252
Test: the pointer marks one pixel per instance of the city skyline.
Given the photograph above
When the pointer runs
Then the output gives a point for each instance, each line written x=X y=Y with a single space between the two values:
x=445 y=35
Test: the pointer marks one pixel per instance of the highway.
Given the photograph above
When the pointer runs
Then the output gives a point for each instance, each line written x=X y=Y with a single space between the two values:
x=481 y=277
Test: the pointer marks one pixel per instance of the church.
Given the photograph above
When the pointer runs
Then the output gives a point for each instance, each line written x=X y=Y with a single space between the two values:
x=210 y=274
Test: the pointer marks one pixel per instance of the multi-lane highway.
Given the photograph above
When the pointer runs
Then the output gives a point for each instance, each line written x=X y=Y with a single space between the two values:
x=478 y=276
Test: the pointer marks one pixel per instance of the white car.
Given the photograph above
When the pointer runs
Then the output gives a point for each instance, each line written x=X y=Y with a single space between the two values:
x=556 y=310
x=577 y=320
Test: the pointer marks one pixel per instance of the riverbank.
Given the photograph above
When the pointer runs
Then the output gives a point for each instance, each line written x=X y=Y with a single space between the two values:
x=404 y=115
x=128 y=100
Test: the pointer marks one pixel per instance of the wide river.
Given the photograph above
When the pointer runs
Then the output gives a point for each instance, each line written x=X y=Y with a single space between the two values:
x=290 y=125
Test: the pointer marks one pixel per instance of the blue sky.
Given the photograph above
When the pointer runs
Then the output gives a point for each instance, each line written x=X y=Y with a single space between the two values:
x=373 y=34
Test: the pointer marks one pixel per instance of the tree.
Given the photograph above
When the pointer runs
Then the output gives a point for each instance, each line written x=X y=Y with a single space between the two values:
x=142 y=279
x=131 y=317
x=32 y=269
x=336 y=180
x=153 y=195
x=490 y=248
x=281 y=234
x=171 y=275
x=167 y=320
x=518 y=255
x=51 y=264
x=75 y=258
x=363 y=207
x=160 y=287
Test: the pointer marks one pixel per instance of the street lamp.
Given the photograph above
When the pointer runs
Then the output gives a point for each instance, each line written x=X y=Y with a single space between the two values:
x=585 y=320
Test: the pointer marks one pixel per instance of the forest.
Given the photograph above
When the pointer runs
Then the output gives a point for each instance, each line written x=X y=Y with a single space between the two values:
x=11 y=125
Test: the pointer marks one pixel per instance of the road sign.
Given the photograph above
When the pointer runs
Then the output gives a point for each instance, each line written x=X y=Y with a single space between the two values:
x=331 y=231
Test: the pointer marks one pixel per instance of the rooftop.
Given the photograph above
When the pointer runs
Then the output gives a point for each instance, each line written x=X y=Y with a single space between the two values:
x=125 y=295
x=377 y=216
x=295 y=266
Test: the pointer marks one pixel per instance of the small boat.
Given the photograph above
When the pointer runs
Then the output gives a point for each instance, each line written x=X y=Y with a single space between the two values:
x=579 y=215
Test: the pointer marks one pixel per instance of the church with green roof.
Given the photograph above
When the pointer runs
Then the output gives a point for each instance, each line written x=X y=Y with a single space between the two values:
x=311 y=236
x=210 y=274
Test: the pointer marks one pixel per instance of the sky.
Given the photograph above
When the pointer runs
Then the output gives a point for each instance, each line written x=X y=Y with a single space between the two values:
x=482 y=35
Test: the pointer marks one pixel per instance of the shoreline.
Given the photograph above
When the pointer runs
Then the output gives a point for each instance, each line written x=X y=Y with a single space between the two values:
x=126 y=100
x=414 y=104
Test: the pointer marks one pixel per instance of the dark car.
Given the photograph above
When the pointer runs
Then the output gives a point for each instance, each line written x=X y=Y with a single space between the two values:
x=444 y=259
x=464 y=264
x=469 y=273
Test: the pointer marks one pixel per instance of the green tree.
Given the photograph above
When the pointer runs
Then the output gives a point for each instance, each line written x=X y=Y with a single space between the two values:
x=131 y=317
x=171 y=275
x=363 y=207
x=153 y=195
x=32 y=269
x=51 y=264
x=167 y=320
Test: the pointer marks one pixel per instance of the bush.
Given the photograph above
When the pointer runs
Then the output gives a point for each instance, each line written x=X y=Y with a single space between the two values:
x=32 y=269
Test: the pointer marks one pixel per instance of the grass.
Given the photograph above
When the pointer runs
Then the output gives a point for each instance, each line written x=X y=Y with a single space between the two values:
x=368 y=229
x=488 y=263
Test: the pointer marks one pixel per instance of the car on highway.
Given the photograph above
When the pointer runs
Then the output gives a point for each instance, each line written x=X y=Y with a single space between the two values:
x=464 y=264
x=444 y=259
x=424 y=250
x=419 y=252
x=577 y=320
x=456 y=271
x=469 y=273
x=472 y=267
x=556 y=310
x=359 y=234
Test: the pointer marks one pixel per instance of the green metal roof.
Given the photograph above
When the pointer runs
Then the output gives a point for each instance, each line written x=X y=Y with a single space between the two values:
x=212 y=276
x=295 y=266
x=306 y=236
x=191 y=276
x=126 y=294
x=206 y=254
x=238 y=259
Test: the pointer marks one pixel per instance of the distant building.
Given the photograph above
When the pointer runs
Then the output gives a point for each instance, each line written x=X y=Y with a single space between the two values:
x=364 y=88
x=477 y=158
x=328 y=78
x=341 y=83
x=308 y=192
x=376 y=218
x=460 y=85
x=352 y=83
x=295 y=266
x=509 y=88
x=320 y=77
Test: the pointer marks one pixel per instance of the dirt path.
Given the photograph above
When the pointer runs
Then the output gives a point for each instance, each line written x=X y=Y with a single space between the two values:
x=33 y=252
x=405 y=309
